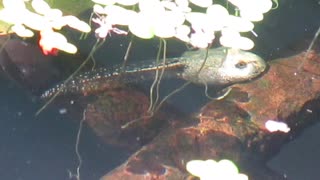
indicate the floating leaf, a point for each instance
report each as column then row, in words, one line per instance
column 202, row 3
column 141, row 26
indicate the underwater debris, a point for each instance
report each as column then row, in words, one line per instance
column 234, row 127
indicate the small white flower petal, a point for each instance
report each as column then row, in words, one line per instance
column 210, row 169
column 173, row 18
column 198, row 21
column 194, row 17
column 182, row 33
column 239, row 42
column 203, row 169
column 265, row 6
column 40, row 6
column 242, row 177
column 166, row 23
column 16, row 5
column 104, row 2
column 177, row 5
column 239, row 24
column 141, row 26
column 251, row 15
column 261, row 6
column 229, row 32
column 226, row 41
column 75, row 23
column 217, row 10
column 236, row 42
column 53, row 14
column 35, row 21
column 58, row 23
column 102, row 32
column 51, row 39
column 245, row 43
column 21, row 31
column 127, row 2
column 11, row 17
column 151, row 6
column 183, row 4
column 164, row 31
column 218, row 16
column 67, row 47
column 54, row 37
column 119, row 15
column 169, row 5
column 98, row 9
column 81, row 26
column 202, row 3
column 200, row 39
column 195, row 167
column 227, row 167
column 274, row 126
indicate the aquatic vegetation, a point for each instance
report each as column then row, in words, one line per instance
column 43, row 19
column 193, row 22
column 211, row 169
column 146, row 19
column 176, row 19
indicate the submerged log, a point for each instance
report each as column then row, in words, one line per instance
column 234, row 127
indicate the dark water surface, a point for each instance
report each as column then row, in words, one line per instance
column 43, row 147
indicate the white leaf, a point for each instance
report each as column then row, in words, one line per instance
column 232, row 38
column 119, row 15
column 202, row 3
column 182, row 33
column 127, row 2
column 218, row 16
column 239, row 24
column 35, row 21
column 14, row 5
column 274, row 126
column 98, row 9
column 21, row 31
column 251, row 15
column 141, row 26
column 75, row 23
column 104, row 2
column 40, row 6
column 11, row 17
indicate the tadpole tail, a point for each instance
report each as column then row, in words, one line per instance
column 102, row 79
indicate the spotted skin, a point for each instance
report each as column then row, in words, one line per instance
column 222, row 67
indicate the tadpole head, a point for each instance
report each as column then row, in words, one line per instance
column 240, row 66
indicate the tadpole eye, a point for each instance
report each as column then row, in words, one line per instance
column 241, row 65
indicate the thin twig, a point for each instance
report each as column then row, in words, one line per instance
column 309, row 49
column 155, row 79
column 161, row 74
column 77, row 175
column 125, row 58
